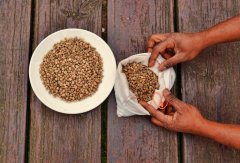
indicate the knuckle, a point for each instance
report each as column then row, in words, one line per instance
column 171, row 34
column 168, row 64
column 153, row 36
column 171, row 97
column 171, row 39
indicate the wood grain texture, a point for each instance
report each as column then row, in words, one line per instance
column 14, row 52
column 56, row 137
column 212, row 81
column 135, row 139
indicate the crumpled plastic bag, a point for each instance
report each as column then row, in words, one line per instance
column 127, row 104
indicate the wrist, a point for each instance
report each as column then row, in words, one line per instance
column 200, row 128
column 202, row 40
column 206, row 129
column 207, row 38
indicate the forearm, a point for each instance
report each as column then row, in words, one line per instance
column 226, row 31
column 227, row 134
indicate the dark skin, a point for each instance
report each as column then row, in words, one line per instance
column 182, row 47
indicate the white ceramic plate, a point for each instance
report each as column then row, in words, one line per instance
column 57, row 104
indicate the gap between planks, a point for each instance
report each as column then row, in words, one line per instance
column 28, row 112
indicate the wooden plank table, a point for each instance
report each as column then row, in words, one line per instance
column 212, row 81
column 14, row 53
column 134, row 139
column 56, row 137
column 31, row 132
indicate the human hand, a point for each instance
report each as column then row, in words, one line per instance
column 174, row 47
column 186, row 118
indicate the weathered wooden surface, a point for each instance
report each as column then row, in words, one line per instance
column 135, row 139
column 56, row 137
column 14, row 52
column 212, row 81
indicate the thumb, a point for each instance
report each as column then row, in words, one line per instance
column 162, row 118
column 160, row 48
column 168, row 63
column 171, row 99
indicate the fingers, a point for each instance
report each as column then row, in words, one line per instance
column 155, row 38
column 169, row 63
column 153, row 112
column 156, row 122
column 172, row 99
column 160, row 48
column 158, row 118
